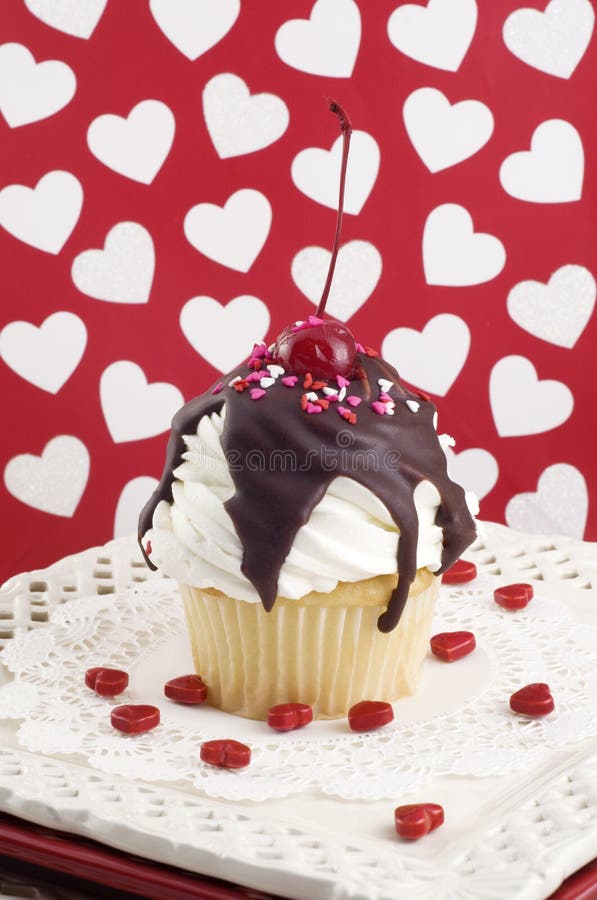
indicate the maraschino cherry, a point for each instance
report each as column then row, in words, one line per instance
column 323, row 347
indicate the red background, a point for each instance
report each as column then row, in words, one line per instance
column 128, row 59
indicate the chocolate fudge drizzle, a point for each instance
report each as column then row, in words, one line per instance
column 390, row 455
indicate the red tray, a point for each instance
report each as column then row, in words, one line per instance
column 84, row 859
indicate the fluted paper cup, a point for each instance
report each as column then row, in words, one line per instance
column 324, row 649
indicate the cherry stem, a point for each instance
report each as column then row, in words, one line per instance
column 346, row 127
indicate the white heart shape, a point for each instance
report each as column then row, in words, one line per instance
column 194, row 26
column 133, row 498
column 454, row 254
column 78, row 18
column 53, row 482
column 444, row 134
column 316, row 172
column 521, row 404
column 224, row 335
column 431, row 359
column 46, row 356
column 134, row 409
column 438, row 34
column 44, row 216
column 475, row 469
column 137, row 145
column 240, row 122
column 560, row 505
column 552, row 170
column 234, row 234
column 358, row 269
column 31, row 91
column 327, row 43
column 558, row 311
column 554, row 40
column 123, row 271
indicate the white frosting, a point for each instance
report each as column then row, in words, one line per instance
column 349, row 536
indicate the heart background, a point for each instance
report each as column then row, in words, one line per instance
column 124, row 54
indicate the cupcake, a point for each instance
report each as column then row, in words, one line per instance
column 306, row 512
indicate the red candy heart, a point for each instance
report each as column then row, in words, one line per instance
column 533, row 700
column 416, row 820
column 369, row 714
column 134, row 718
column 460, row 572
column 106, row 682
column 288, row 716
column 227, row 754
column 452, row 645
column 186, row 689
column 513, row 596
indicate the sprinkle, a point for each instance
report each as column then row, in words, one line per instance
column 148, row 549
column 257, row 393
column 354, row 401
column 385, row 398
column 323, row 403
column 318, row 385
column 304, row 401
column 290, row 380
column 341, row 394
column 258, row 350
column 341, row 410
column 299, row 323
column 315, row 320
column 218, row 387
column 346, row 414
column 435, row 420
column 379, row 407
column 384, row 384
column 311, row 395
column 329, row 391
column 308, row 380
column 267, row 382
column 255, row 363
column 254, row 376
column 234, row 381
column 360, row 348
column 370, row 352
column 312, row 408
column 351, row 418
column 270, row 349
column 389, row 410
column 275, row 371
column 333, row 398
column 413, row 405
column 341, row 381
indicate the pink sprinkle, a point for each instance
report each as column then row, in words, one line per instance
column 290, row 380
column 354, row 401
column 255, row 376
column 377, row 406
column 341, row 410
column 257, row 393
column 312, row 408
column 314, row 320
column 360, row 348
column 218, row 387
column 342, row 381
column 385, row 398
column 259, row 351
column 333, row 398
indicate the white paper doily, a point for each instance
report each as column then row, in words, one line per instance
column 459, row 722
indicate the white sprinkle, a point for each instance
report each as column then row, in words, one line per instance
column 267, row 382
column 312, row 396
column 435, row 420
column 389, row 412
column 330, row 392
column 271, row 348
column 385, row 385
column 234, row 380
column 412, row 405
column 275, row 371
column 299, row 323
column 341, row 394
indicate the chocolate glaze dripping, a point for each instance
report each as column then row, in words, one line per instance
column 270, row 505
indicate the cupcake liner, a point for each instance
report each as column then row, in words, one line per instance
column 324, row 649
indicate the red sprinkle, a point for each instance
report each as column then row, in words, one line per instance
column 416, row 820
column 452, row 645
column 323, row 403
column 240, row 385
column 513, row 596
column 370, row 352
column 288, row 716
column 460, row 572
column 255, row 364
column 533, row 700
column 227, row 754
column 308, row 380
column 318, row 385
column 186, row 689
column 106, row 682
column 134, row 718
column 304, row 401
column 369, row 714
